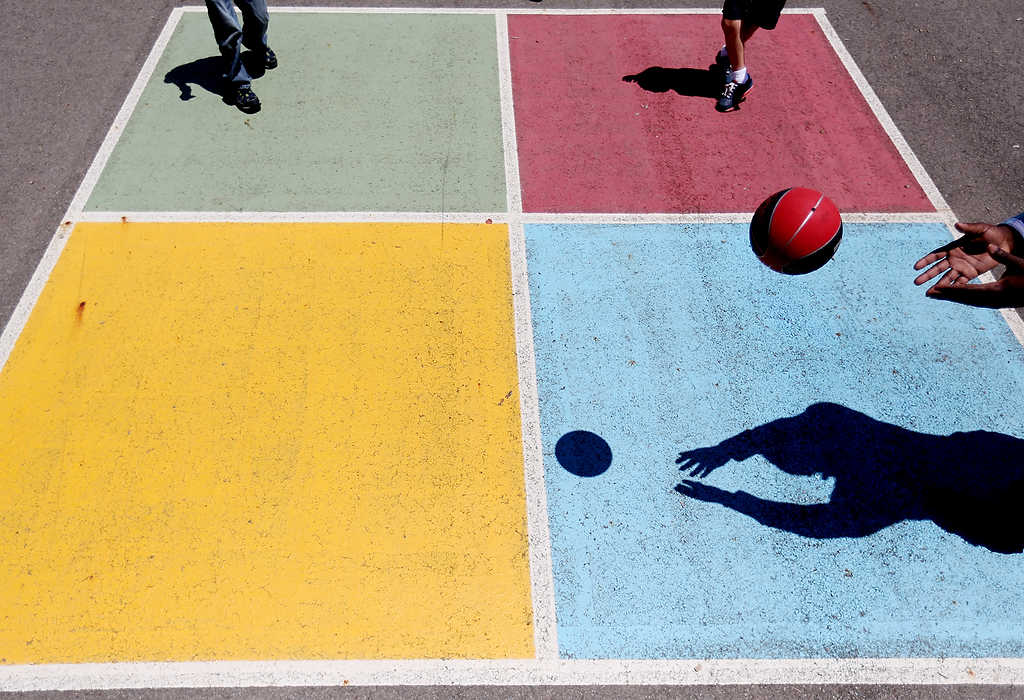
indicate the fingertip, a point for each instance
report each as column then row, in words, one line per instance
column 970, row 227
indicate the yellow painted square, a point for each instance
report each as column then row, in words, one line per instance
column 256, row 441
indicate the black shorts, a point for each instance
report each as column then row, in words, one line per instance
column 763, row 13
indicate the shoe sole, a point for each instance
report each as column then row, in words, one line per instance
column 248, row 109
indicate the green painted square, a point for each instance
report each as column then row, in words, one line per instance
column 366, row 112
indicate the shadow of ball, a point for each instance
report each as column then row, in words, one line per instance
column 583, row 453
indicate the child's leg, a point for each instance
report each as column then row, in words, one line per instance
column 746, row 31
column 732, row 30
column 737, row 34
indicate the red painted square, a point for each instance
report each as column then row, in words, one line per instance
column 589, row 141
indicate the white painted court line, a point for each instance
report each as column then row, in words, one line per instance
column 504, row 11
column 542, row 579
column 513, row 215
column 74, row 211
column 684, row 672
column 723, row 218
column 272, row 217
column 1013, row 319
column 878, row 109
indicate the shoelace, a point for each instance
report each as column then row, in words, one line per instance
column 730, row 88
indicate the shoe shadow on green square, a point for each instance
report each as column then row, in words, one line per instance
column 369, row 113
column 208, row 74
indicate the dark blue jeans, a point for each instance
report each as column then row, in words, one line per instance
column 232, row 36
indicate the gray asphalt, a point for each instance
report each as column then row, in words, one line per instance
column 948, row 72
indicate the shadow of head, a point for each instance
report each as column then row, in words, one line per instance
column 690, row 82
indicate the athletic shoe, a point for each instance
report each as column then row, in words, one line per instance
column 246, row 100
column 270, row 59
column 732, row 94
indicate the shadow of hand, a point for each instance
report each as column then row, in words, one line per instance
column 704, row 492
column 702, row 461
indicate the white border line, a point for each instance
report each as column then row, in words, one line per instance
column 682, row 672
column 74, row 211
column 502, row 11
column 291, row 217
column 512, row 216
column 1013, row 319
column 542, row 578
column 920, row 174
column 696, row 218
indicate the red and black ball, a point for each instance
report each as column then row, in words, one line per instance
column 796, row 230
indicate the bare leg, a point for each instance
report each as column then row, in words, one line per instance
column 737, row 33
column 731, row 29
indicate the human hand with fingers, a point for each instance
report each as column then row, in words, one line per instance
column 960, row 261
column 982, row 247
column 1006, row 292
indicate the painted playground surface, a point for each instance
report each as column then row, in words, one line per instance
column 453, row 364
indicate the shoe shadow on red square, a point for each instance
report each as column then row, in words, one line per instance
column 690, row 82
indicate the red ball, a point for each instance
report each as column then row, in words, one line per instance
column 796, row 231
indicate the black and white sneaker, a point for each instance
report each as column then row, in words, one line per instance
column 270, row 59
column 246, row 100
column 732, row 94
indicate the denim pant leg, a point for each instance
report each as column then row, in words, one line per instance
column 255, row 20
column 228, row 33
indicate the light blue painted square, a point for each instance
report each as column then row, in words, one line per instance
column 663, row 339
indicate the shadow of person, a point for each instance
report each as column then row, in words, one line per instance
column 970, row 484
column 690, row 82
column 206, row 73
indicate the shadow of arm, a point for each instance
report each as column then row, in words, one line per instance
column 818, row 520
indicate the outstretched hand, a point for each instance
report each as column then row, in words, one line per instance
column 962, row 260
column 1006, row 292
column 979, row 250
